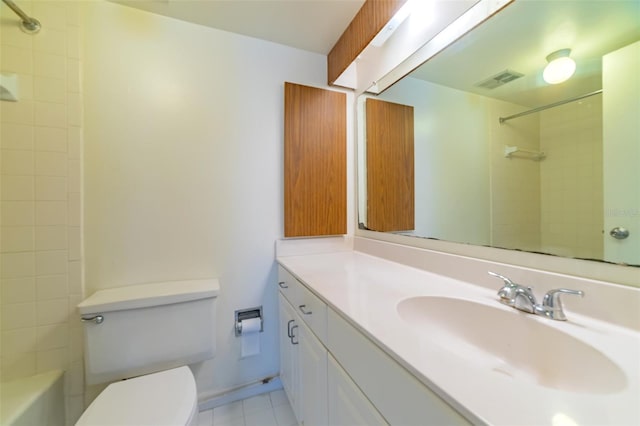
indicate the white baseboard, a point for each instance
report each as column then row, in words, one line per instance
column 253, row 389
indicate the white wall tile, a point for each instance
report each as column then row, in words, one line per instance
column 51, row 237
column 16, row 136
column 16, row 342
column 17, row 112
column 55, row 311
column 18, row 365
column 16, row 59
column 50, row 114
column 74, row 109
column 51, row 262
column 73, row 14
column 75, row 277
column 50, row 40
column 74, row 47
column 74, row 378
column 76, row 338
column 18, row 315
column 74, row 139
column 50, row 164
column 50, row 188
column 17, row 188
column 17, row 162
column 74, row 76
column 74, row 243
column 48, row 65
column 18, row 290
column 74, row 209
column 25, row 87
column 16, row 239
column 17, row 213
column 48, row 89
column 53, row 139
column 12, row 35
column 50, row 213
column 53, row 359
column 74, row 180
column 18, row 265
column 53, row 13
column 52, row 337
column 51, row 286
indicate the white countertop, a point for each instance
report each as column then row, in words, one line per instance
column 366, row 290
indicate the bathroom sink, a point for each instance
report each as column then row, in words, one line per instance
column 513, row 344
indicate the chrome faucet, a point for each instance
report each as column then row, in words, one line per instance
column 523, row 299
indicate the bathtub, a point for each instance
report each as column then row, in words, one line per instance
column 34, row 400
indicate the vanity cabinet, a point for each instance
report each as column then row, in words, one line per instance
column 347, row 404
column 303, row 357
column 335, row 375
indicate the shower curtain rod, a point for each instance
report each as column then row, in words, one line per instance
column 555, row 104
column 29, row 25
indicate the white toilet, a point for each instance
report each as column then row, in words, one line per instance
column 147, row 334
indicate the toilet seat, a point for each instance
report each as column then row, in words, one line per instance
column 164, row 398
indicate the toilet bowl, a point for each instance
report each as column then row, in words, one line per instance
column 147, row 334
column 164, row 398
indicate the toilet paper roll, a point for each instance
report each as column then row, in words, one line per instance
column 250, row 337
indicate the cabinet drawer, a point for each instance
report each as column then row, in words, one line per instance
column 313, row 312
column 308, row 306
column 288, row 285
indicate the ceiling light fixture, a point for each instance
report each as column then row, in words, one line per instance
column 560, row 67
column 393, row 24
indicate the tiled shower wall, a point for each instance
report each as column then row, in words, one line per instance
column 41, row 244
column 572, row 214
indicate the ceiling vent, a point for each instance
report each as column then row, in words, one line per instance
column 499, row 79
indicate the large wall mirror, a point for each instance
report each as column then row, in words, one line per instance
column 491, row 154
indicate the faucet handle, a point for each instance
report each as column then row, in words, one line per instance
column 552, row 305
column 507, row 281
column 507, row 292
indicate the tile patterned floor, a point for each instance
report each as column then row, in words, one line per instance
column 269, row 409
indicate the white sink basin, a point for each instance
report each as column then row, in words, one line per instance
column 512, row 343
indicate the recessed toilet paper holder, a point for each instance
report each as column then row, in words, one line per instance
column 245, row 314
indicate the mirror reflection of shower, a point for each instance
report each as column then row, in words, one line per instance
column 28, row 24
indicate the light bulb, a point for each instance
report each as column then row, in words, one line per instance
column 560, row 67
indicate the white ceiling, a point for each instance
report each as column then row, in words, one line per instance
column 313, row 25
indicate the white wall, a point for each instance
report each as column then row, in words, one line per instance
column 41, row 139
column 183, row 160
column 453, row 155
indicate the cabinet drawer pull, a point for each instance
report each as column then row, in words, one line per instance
column 289, row 329
column 302, row 309
column 292, row 335
column 282, row 284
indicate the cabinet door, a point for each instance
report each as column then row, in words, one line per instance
column 313, row 379
column 289, row 365
column 390, row 166
column 347, row 403
column 315, row 165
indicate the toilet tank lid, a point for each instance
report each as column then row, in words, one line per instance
column 147, row 295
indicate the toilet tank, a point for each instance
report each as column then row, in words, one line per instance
column 141, row 329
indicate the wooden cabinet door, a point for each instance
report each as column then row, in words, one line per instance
column 390, row 166
column 315, row 167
